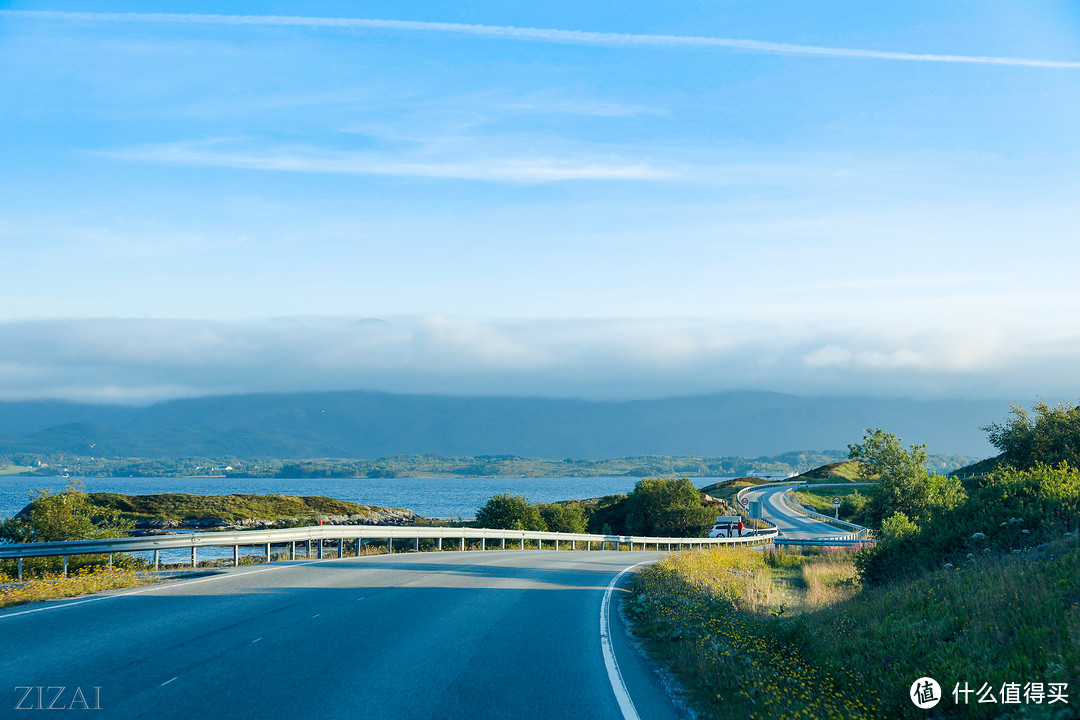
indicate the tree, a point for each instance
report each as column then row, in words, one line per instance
column 53, row 517
column 667, row 507
column 509, row 512
column 1051, row 435
column 563, row 517
column 904, row 484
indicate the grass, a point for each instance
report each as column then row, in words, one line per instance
column 785, row 636
column 852, row 500
column 229, row 508
column 15, row 469
column 847, row 470
column 84, row 581
column 728, row 490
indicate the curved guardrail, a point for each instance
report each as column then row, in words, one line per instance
column 341, row 533
column 858, row 531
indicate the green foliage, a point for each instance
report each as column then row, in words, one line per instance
column 898, row 528
column 54, row 517
column 904, row 484
column 1009, row 511
column 563, row 517
column 230, row 508
column 855, row 657
column 509, row 512
column 667, row 507
column 1051, row 435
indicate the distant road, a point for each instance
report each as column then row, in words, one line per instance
column 498, row 634
column 790, row 523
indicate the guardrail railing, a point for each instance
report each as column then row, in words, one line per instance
column 341, row 533
column 859, row 533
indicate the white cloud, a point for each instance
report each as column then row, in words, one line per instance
column 536, row 169
column 145, row 360
column 569, row 37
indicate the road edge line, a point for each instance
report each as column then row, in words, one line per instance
column 618, row 685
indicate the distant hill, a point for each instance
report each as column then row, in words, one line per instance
column 370, row 425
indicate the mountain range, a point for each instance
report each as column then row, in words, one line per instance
column 372, row 424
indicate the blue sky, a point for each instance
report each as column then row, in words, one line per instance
column 609, row 200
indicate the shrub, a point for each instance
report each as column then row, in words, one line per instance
column 509, row 512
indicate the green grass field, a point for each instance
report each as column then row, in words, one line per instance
column 780, row 636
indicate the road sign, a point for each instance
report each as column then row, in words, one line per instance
column 745, row 501
column 755, row 510
column 836, row 502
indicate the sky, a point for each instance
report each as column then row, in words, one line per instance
column 601, row 200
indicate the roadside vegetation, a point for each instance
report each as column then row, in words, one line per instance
column 664, row 507
column 973, row 582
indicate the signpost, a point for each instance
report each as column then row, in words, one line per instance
column 836, row 506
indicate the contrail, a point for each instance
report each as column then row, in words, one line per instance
column 567, row 37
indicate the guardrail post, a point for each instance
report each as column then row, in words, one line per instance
column 292, row 550
column 523, row 543
column 307, row 553
column 390, row 546
column 483, row 543
column 320, row 548
column 20, row 569
column 416, row 545
column 463, row 544
column 65, row 566
column 235, row 555
column 157, row 559
column 194, row 557
column 502, row 543
column 573, row 545
column 269, row 557
column 556, row 543
column 110, row 561
column 340, row 547
column 440, row 543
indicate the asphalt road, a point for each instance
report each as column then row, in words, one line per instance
column 498, row 634
column 790, row 523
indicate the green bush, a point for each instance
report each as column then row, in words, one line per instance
column 509, row 512
column 667, row 507
column 55, row 517
column 1008, row 511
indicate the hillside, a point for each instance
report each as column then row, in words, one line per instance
column 370, row 425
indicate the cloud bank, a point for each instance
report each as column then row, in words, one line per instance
column 568, row 37
column 141, row 361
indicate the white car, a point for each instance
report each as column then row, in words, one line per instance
column 721, row 530
column 726, row 526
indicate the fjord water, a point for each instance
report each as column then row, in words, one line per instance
column 430, row 497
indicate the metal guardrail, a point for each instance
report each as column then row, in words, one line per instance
column 340, row 533
column 819, row 542
column 860, row 533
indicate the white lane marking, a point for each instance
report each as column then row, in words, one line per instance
column 168, row 681
column 618, row 685
column 166, row 585
column 256, row 640
column 315, row 615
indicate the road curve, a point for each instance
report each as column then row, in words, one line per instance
column 789, row 523
column 498, row 634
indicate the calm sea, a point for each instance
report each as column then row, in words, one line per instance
column 430, row 497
